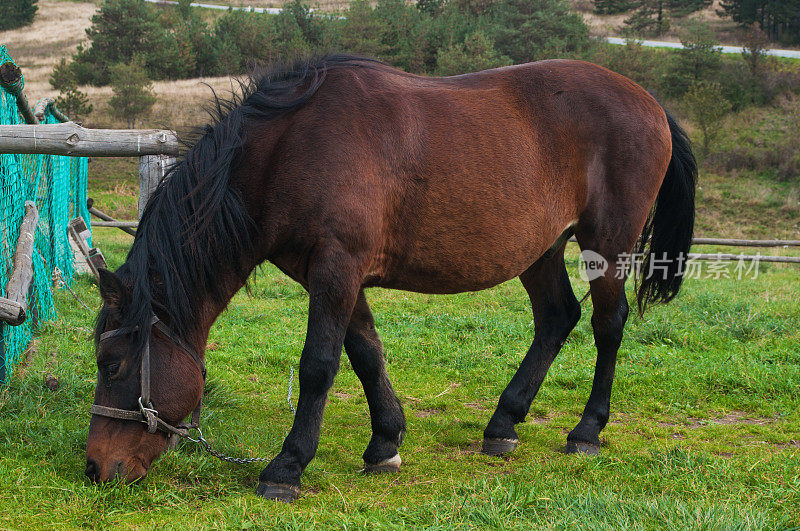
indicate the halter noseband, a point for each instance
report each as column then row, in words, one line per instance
column 146, row 412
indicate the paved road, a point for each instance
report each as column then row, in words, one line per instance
column 795, row 54
column 270, row 10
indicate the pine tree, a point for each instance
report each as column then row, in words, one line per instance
column 612, row 7
column 71, row 101
column 652, row 17
column 476, row 53
column 74, row 103
column 133, row 92
column 779, row 19
column 16, row 13
column 528, row 30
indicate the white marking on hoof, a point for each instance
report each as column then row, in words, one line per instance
column 392, row 461
column 387, row 465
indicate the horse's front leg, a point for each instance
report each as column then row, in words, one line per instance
column 333, row 285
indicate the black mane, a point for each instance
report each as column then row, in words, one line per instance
column 195, row 227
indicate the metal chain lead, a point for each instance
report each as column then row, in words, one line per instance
column 291, row 385
column 242, row 460
column 236, row 460
column 219, row 455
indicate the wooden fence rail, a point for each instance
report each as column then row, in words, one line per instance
column 71, row 139
column 746, row 243
column 733, row 242
column 155, row 148
column 117, row 224
column 744, row 258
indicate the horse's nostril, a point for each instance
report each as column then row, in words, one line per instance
column 92, row 470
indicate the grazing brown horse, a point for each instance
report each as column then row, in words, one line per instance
column 346, row 174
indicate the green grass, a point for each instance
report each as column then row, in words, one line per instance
column 704, row 433
column 705, row 429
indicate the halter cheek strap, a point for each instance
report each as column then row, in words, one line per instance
column 146, row 413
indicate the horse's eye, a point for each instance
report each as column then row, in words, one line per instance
column 111, row 370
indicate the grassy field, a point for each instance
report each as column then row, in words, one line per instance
column 704, row 434
column 705, row 426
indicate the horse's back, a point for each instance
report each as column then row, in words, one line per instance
column 463, row 182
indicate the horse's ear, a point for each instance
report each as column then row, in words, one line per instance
column 112, row 290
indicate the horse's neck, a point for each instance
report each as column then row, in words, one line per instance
column 208, row 313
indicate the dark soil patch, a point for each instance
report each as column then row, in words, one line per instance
column 424, row 413
column 734, row 418
column 342, row 395
column 476, row 406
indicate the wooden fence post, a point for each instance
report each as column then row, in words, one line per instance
column 14, row 305
column 152, row 169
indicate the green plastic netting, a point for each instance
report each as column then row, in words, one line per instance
column 58, row 187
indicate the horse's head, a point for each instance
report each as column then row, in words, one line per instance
column 125, row 447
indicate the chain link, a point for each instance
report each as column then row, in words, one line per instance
column 243, row 460
column 219, row 455
column 291, row 386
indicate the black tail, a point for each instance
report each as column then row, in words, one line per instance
column 667, row 234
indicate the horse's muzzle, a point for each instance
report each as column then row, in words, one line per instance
column 133, row 471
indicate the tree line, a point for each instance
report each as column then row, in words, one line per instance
column 131, row 41
column 778, row 19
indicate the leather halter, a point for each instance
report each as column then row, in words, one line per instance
column 146, row 413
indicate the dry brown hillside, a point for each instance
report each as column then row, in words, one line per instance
column 58, row 29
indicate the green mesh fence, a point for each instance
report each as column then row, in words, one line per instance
column 58, row 187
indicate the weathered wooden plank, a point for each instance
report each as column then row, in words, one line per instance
column 745, row 258
column 11, row 312
column 117, row 224
column 70, row 138
column 76, row 229
column 746, row 243
column 2, row 357
column 48, row 104
column 22, row 274
column 732, row 242
column 152, row 169
column 105, row 217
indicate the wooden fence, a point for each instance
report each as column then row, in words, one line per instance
column 155, row 148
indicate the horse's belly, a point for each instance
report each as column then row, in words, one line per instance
column 456, row 257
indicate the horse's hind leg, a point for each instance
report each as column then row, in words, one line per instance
column 608, row 320
column 363, row 347
column 555, row 314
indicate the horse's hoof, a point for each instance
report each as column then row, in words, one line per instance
column 282, row 492
column 579, row 447
column 387, row 465
column 497, row 446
